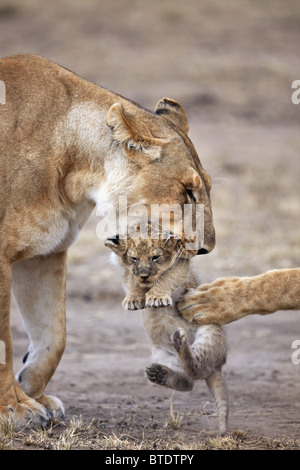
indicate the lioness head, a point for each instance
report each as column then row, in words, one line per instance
column 167, row 169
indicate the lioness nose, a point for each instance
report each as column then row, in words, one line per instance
column 202, row 251
column 208, row 246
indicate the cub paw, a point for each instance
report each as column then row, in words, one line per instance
column 133, row 303
column 179, row 339
column 157, row 374
column 154, row 300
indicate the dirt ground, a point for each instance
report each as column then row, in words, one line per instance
column 231, row 64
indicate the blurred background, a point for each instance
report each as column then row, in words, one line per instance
column 231, row 65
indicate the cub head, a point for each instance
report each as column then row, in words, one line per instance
column 146, row 259
column 166, row 168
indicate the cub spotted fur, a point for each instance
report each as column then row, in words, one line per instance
column 66, row 145
column 155, row 276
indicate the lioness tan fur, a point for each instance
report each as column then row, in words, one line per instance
column 66, row 145
column 155, row 276
column 228, row 299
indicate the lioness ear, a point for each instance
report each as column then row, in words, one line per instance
column 174, row 112
column 116, row 244
column 139, row 147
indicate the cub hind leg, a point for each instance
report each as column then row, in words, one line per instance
column 163, row 375
column 203, row 360
column 165, row 370
column 206, row 353
column 192, row 364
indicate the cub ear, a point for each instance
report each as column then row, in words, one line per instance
column 116, row 244
column 136, row 141
column 174, row 112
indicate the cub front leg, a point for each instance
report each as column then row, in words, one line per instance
column 39, row 289
column 135, row 298
column 160, row 295
column 158, row 298
column 132, row 302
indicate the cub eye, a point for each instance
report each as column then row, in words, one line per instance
column 134, row 260
column 155, row 258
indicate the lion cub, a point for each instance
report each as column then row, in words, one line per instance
column 156, row 276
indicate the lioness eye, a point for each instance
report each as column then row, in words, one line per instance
column 155, row 258
column 191, row 195
column 134, row 260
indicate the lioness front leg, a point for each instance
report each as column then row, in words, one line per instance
column 39, row 288
column 15, row 405
column 228, row 299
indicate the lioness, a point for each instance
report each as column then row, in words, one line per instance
column 66, row 145
column 229, row 299
column 155, row 276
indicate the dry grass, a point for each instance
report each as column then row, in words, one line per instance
column 78, row 434
column 174, row 419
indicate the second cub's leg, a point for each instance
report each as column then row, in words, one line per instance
column 39, row 289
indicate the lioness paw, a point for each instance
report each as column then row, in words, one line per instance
column 154, row 300
column 53, row 405
column 19, row 410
